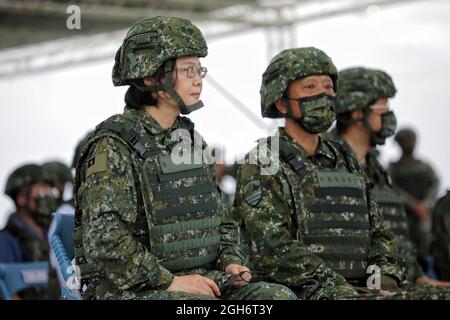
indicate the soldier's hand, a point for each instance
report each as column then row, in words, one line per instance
column 426, row 280
column 195, row 284
column 241, row 274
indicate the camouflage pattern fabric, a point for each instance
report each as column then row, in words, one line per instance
column 251, row 291
column 408, row 290
column 359, row 88
column 152, row 41
column 112, row 240
column 317, row 112
column 378, row 176
column 56, row 172
column 290, row 65
column 399, row 223
column 264, row 208
column 441, row 237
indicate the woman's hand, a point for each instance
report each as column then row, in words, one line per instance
column 195, row 284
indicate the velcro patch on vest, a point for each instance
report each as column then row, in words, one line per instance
column 97, row 163
column 386, row 195
column 338, row 179
column 168, row 166
column 252, row 192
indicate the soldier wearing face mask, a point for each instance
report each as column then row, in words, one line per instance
column 60, row 177
column 24, row 239
column 311, row 219
column 364, row 119
column 146, row 225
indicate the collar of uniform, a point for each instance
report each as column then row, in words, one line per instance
column 352, row 153
column 322, row 149
column 337, row 137
column 149, row 122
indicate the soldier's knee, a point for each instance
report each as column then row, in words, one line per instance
column 333, row 293
column 272, row 291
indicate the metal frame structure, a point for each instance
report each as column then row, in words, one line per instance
column 217, row 18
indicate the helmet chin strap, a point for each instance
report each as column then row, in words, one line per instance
column 290, row 114
column 373, row 137
column 168, row 87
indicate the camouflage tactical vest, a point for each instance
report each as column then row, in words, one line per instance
column 392, row 207
column 180, row 201
column 331, row 211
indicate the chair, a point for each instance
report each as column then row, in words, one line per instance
column 60, row 237
column 15, row 277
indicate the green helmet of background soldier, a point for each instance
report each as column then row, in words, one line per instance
column 39, row 205
column 359, row 89
column 22, row 177
column 406, row 139
column 295, row 64
column 155, row 43
column 57, row 173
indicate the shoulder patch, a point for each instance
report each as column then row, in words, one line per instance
column 97, row 163
column 252, row 192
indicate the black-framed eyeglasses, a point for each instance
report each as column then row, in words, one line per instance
column 192, row 71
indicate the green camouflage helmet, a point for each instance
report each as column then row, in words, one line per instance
column 405, row 134
column 152, row 41
column 56, row 172
column 290, row 65
column 21, row 177
column 359, row 88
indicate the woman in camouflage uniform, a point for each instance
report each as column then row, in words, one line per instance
column 149, row 221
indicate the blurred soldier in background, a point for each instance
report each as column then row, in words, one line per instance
column 419, row 184
column 60, row 177
column 24, row 239
column 225, row 177
column 364, row 120
column 146, row 226
column 310, row 216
